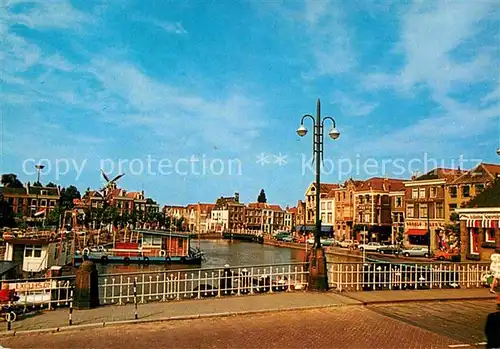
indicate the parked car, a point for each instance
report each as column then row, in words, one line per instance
column 415, row 252
column 447, row 255
column 310, row 241
column 371, row 246
column 348, row 243
column 390, row 249
column 288, row 238
column 281, row 236
column 328, row 242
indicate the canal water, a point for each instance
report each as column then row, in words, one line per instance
column 221, row 252
column 217, row 254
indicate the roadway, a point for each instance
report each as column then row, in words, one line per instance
column 405, row 325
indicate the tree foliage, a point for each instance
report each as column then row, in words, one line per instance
column 51, row 185
column 67, row 196
column 10, row 180
column 262, row 197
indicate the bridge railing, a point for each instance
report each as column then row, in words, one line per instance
column 400, row 276
column 41, row 293
column 201, row 283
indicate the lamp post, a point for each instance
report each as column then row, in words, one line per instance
column 316, row 259
column 428, row 230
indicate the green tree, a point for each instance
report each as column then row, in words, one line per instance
column 51, row 185
column 67, row 196
column 262, row 197
column 10, row 180
column 6, row 213
column 37, row 184
column 54, row 215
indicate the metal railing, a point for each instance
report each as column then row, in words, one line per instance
column 201, row 283
column 41, row 293
column 401, row 276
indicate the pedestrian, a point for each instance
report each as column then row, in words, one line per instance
column 492, row 330
column 495, row 270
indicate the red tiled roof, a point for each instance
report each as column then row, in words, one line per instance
column 264, row 205
column 441, row 173
column 293, row 210
column 481, row 173
column 494, row 169
column 328, row 187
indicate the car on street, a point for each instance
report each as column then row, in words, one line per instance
column 281, row 236
column 371, row 246
column 348, row 243
column 415, row 252
column 328, row 242
column 310, row 241
column 389, row 249
column 288, row 238
column 451, row 255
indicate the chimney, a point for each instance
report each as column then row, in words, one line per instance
column 237, row 197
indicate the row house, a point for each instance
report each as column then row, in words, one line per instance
column 29, row 200
column 175, row 211
column 300, row 215
column 228, row 214
column 426, row 206
column 373, row 209
column 272, row 217
column 344, row 209
column 198, row 217
column 325, row 190
column 480, row 225
column 469, row 185
column 290, row 213
column 129, row 203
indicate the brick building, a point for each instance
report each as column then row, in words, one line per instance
column 344, row 209
column 372, row 206
column 29, row 200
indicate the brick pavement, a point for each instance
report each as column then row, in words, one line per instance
column 341, row 327
column 155, row 310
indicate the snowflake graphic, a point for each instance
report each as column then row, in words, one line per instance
column 280, row 159
column 263, row 159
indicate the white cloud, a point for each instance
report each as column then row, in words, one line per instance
column 330, row 39
column 353, row 106
column 168, row 26
column 431, row 34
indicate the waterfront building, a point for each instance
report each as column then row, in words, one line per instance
column 290, row 213
column 344, row 209
column 228, row 214
column 480, row 225
column 469, row 185
column 372, row 206
column 31, row 200
column 198, row 217
column 272, row 217
column 300, row 216
column 425, row 196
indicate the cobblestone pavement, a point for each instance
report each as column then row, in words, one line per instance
column 342, row 327
column 461, row 320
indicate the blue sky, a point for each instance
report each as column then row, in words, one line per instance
column 86, row 81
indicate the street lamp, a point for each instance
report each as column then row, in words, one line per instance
column 316, row 259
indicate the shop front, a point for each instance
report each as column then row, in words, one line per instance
column 417, row 233
column 479, row 232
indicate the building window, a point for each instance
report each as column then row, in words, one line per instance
column 52, row 203
column 453, row 192
column 399, row 201
column 329, row 218
column 423, row 210
column 329, row 205
column 43, row 202
column 33, row 251
column 410, row 211
column 479, row 188
column 414, row 193
column 439, row 210
column 474, row 241
column 453, row 207
column 322, row 205
column 433, row 192
column 180, row 242
column 33, row 202
column 466, row 191
column 344, row 196
column 421, row 193
column 489, row 235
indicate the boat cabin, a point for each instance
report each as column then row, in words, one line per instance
column 154, row 243
column 36, row 254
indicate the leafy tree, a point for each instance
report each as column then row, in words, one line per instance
column 51, row 185
column 10, row 180
column 37, row 184
column 262, row 197
column 67, row 196
column 53, row 216
column 6, row 213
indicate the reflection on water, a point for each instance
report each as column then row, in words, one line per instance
column 217, row 254
column 221, row 252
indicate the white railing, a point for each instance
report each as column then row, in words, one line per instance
column 401, row 276
column 201, row 283
column 41, row 293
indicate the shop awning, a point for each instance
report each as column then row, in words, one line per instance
column 417, row 232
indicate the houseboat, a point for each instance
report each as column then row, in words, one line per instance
column 145, row 246
column 37, row 251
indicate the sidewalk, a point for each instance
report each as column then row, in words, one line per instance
column 235, row 305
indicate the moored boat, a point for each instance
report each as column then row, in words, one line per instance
column 149, row 246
